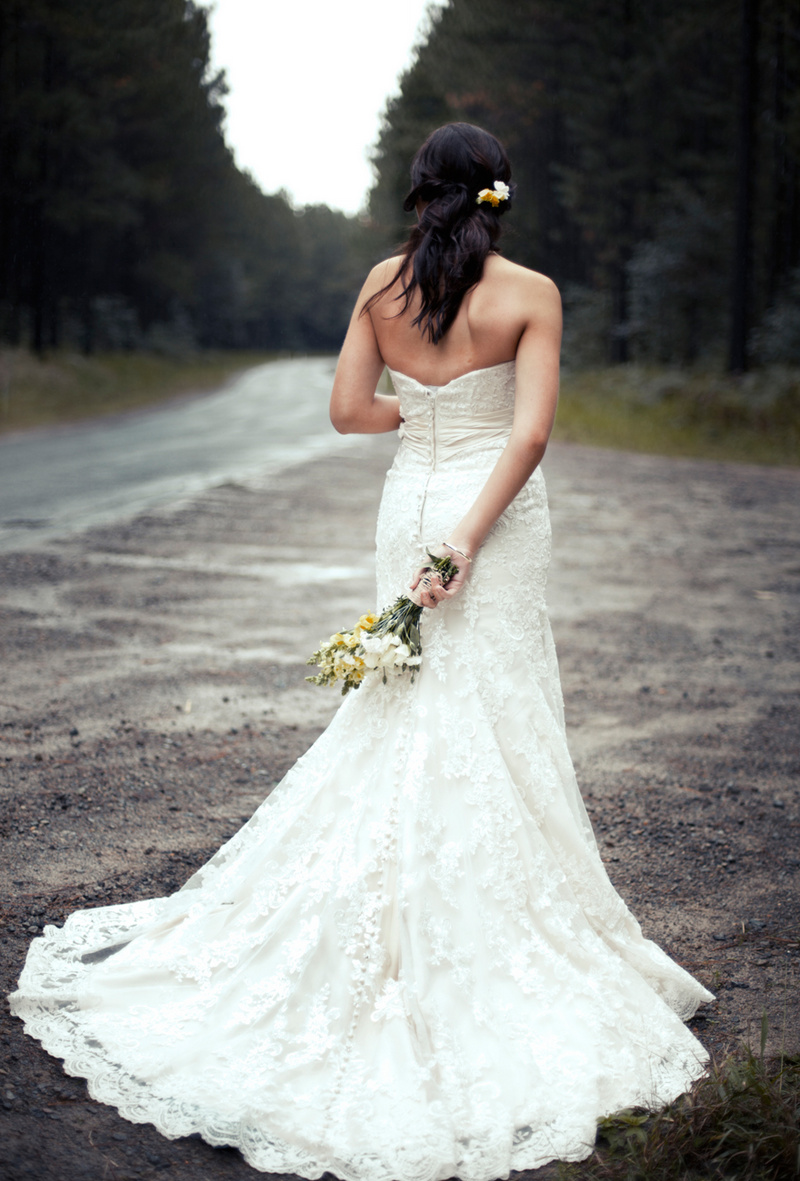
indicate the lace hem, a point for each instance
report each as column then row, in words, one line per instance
column 410, row 964
column 494, row 1154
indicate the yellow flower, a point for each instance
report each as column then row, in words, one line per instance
column 366, row 621
column 494, row 196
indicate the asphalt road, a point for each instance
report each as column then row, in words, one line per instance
column 54, row 482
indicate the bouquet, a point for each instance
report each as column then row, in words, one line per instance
column 388, row 644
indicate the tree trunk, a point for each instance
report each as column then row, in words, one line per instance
column 742, row 279
column 38, row 296
column 619, row 314
column 54, row 324
column 783, row 252
column 621, row 135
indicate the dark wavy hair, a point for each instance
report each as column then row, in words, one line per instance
column 446, row 250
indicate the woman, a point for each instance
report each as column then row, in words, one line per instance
column 410, row 963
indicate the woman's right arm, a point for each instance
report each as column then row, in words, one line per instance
column 356, row 407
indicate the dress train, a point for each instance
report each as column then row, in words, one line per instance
column 410, row 963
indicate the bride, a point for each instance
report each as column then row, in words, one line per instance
column 409, row 964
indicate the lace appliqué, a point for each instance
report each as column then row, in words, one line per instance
column 410, row 963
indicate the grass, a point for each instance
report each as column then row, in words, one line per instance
column 702, row 414
column 740, row 1122
column 68, row 386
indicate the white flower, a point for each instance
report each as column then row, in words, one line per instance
column 494, row 196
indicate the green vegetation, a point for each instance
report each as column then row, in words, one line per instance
column 742, row 1122
column 670, row 223
column 67, row 386
column 124, row 221
column 752, row 419
column 126, row 227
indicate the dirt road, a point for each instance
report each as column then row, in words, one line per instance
column 153, row 692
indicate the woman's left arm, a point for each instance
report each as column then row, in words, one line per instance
column 537, row 365
column 356, row 407
column 537, row 368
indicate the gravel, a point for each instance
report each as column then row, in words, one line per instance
column 154, row 693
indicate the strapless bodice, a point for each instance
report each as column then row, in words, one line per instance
column 443, row 424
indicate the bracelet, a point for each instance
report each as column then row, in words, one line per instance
column 458, row 551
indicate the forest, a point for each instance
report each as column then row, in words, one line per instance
column 124, row 221
column 656, row 148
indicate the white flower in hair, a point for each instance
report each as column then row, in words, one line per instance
column 494, row 196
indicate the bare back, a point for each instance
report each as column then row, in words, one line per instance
column 511, row 314
column 486, row 331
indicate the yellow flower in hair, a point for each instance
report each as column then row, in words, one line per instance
column 494, row 196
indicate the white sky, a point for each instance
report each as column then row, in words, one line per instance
column 308, row 83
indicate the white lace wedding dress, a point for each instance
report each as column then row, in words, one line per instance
column 410, row 963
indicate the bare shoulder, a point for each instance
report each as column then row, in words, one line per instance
column 381, row 275
column 522, row 296
column 523, row 281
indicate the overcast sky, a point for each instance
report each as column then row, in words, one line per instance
column 308, row 82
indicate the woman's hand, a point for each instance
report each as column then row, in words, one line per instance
column 427, row 588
